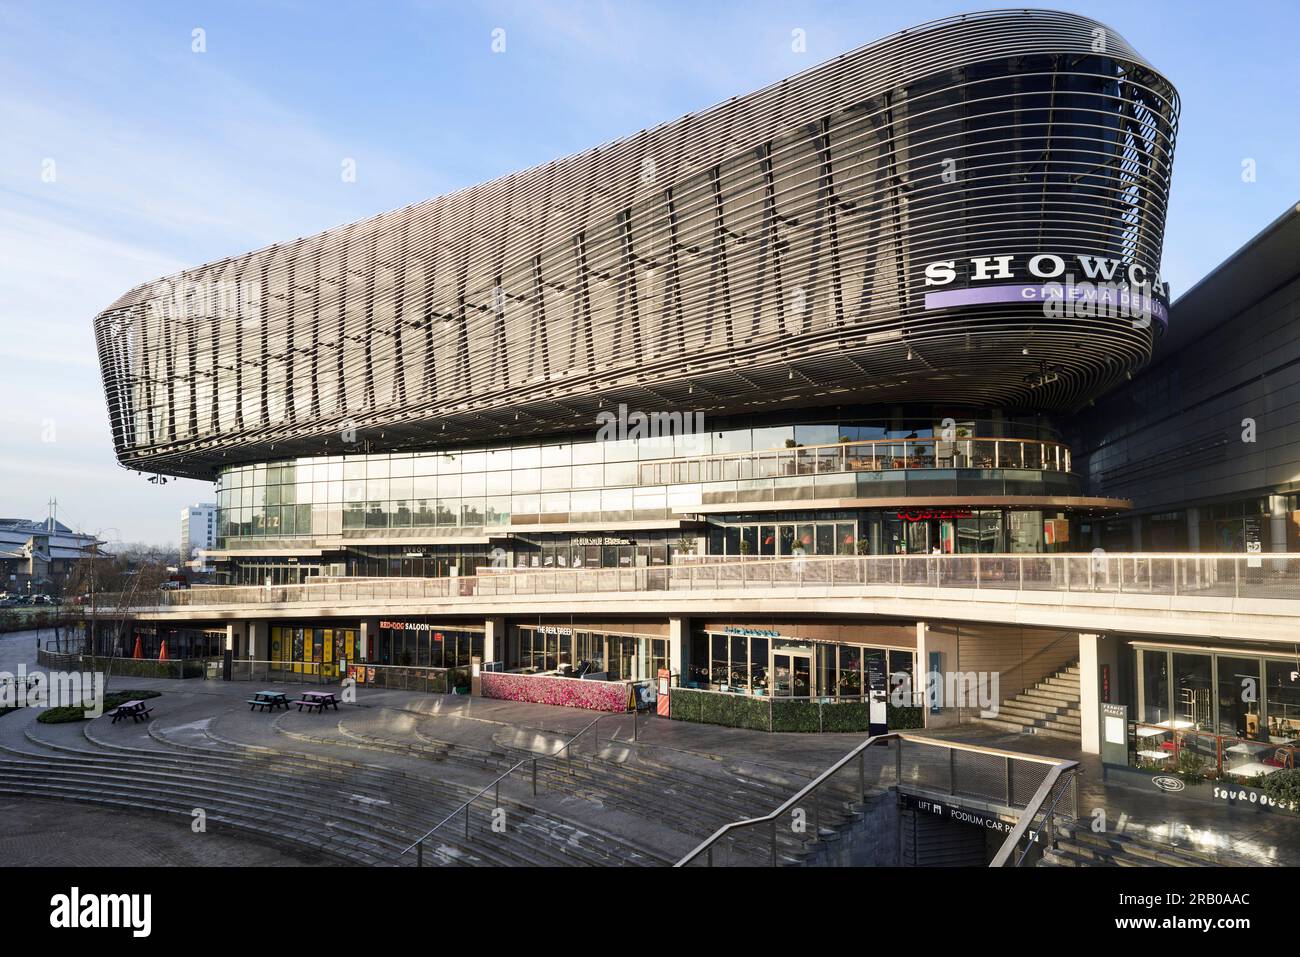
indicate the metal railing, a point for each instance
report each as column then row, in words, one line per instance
column 986, row 778
column 1178, row 747
column 869, row 455
column 1275, row 575
column 533, row 762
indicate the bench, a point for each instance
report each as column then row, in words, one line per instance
column 325, row 698
column 311, row 704
column 135, row 710
column 263, row 704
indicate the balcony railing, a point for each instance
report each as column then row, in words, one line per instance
column 1274, row 576
column 875, row 455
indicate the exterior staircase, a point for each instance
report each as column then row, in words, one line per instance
column 1049, row 708
column 1077, row 846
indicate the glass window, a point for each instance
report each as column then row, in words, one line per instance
column 1239, row 696
column 719, row 668
column 739, row 663
column 1283, row 700
column 850, row 670
column 758, row 665
column 1193, row 694
column 1155, row 686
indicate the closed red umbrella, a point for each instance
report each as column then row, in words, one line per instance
column 139, row 648
column 162, row 652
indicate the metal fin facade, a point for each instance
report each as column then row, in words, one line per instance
column 766, row 251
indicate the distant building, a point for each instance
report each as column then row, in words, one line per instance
column 39, row 554
column 198, row 533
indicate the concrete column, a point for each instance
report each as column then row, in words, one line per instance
column 1277, row 523
column 1193, row 529
column 368, row 635
column 1089, row 694
column 930, row 642
column 258, row 645
column 679, row 644
column 494, row 639
column 236, row 631
column 1136, row 525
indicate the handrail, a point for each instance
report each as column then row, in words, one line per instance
column 496, row 782
column 1058, row 768
column 1091, row 573
column 790, row 802
column 1035, row 804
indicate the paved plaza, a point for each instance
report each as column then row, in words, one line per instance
column 360, row 785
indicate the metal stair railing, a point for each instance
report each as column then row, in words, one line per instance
column 494, row 786
column 991, row 778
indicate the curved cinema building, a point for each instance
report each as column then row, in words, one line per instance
column 830, row 316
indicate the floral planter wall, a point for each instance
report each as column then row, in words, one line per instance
column 566, row 692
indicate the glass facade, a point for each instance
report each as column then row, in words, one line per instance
column 762, row 661
column 460, row 492
column 583, row 651
column 1233, row 693
column 423, row 644
column 312, row 649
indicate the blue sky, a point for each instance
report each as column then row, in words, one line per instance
column 164, row 158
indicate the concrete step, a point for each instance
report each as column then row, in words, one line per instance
column 414, row 805
column 1058, row 687
column 1029, row 712
column 1055, row 702
column 1140, row 851
column 354, row 847
column 1007, row 725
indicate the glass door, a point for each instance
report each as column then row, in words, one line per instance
column 791, row 675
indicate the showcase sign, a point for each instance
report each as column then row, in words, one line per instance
column 1104, row 284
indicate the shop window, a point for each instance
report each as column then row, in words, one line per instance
column 1193, row 700
column 758, row 652
column 1282, row 706
column 901, row 663
column 1238, row 697
column 1155, row 686
column 850, row 670
column 739, row 670
column 697, row 674
column 718, row 666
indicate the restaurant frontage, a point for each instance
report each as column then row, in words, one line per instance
column 612, row 650
column 1240, row 691
column 315, row 648
column 418, row 642
column 793, row 658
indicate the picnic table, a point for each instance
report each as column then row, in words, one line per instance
column 318, row 700
column 268, row 701
column 135, row 710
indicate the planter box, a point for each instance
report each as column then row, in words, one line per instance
column 565, row 692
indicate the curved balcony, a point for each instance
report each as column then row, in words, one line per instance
column 872, row 455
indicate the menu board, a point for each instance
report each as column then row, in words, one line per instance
column 877, row 680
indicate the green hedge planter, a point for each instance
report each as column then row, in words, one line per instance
column 758, row 713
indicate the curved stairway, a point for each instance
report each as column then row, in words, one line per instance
column 348, row 811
